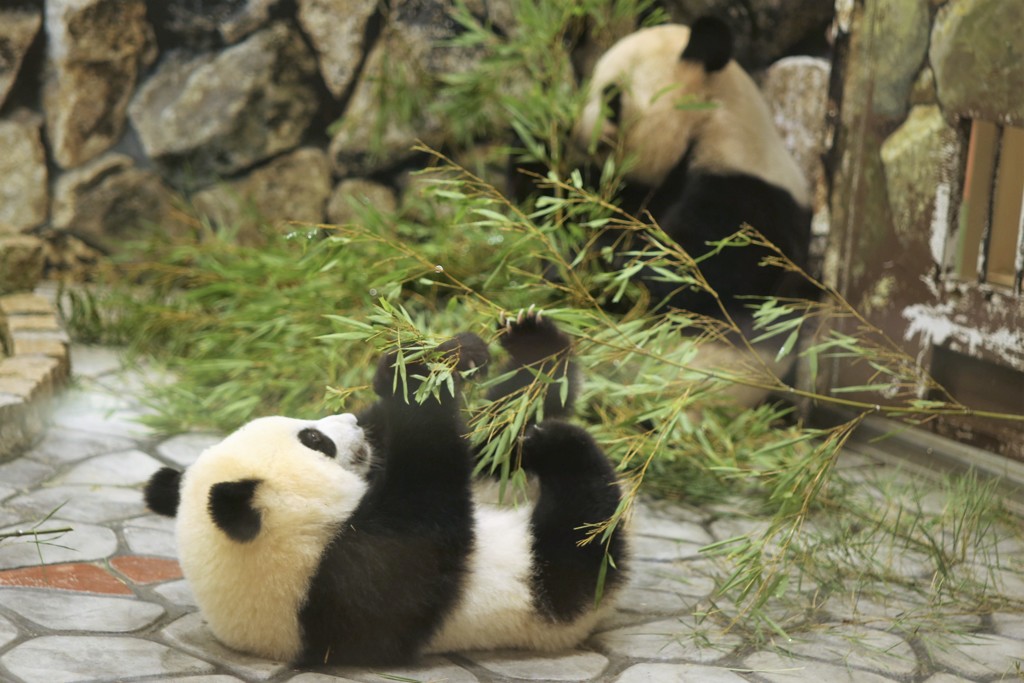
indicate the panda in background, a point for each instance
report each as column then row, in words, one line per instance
column 355, row 539
column 706, row 158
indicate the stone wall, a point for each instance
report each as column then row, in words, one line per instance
column 121, row 117
column 912, row 76
column 117, row 114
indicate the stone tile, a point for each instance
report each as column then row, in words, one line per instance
column 328, row 678
column 96, row 504
column 6, row 492
column 648, row 523
column 95, row 361
column 61, row 611
column 435, row 668
column 61, row 446
column 681, row 638
column 696, row 578
column 183, row 449
column 677, row 673
column 663, row 549
column 125, row 468
column 776, row 668
column 152, row 521
column 731, row 527
column 60, row 659
column 1009, row 625
column 145, row 570
column 83, row 578
column 946, row 678
column 856, row 647
column 24, row 474
column 8, row 631
column 144, row 541
column 655, row 601
column 99, row 412
column 190, row 633
column 177, row 593
column 568, row 666
column 977, row 655
column 84, row 543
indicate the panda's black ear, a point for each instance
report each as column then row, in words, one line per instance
column 710, row 44
column 162, row 492
column 231, row 508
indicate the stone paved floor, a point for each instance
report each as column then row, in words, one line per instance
column 106, row 601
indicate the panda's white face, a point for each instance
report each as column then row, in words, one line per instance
column 256, row 511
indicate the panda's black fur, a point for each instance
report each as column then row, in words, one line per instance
column 416, row 566
column 707, row 159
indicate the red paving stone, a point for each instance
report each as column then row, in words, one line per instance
column 85, row 578
column 145, row 570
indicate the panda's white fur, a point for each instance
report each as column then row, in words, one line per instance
column 357, row 540
column 698, row 140
column 304, row 498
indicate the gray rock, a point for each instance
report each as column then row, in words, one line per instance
column 921, row 172
column 979, row 65
column 388, row 111
column 292, row 187
column 21, row 262
column 18, row 28
column 764, row 30
column 206, row 117
column 208, row 23
column 337, row 29
column 898, row 47
column 96, row 49
column 110, row 200
column 351, row 194
column 796, row 89
column 24, row 195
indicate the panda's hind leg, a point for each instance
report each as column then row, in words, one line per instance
column 578, row 489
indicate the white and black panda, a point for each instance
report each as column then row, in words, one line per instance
column 355, row 539
column 705, row 158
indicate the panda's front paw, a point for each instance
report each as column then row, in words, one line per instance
column 529, row 336
column 468, row 351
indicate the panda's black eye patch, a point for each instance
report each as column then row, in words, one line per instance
column 612, row 96
column 315, row 439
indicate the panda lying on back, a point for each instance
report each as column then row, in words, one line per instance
column 355, row 540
